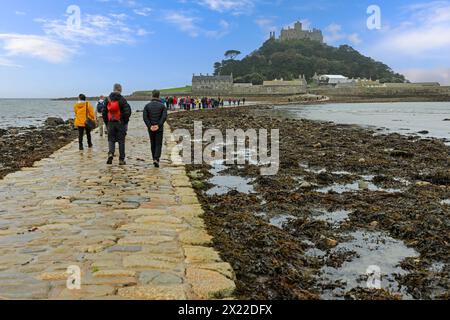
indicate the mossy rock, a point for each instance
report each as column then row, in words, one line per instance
column 198, row 185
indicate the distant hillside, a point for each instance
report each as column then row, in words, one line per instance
column 287, row 59
column 164, row 91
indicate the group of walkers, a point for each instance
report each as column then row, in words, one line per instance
column 192, row 103
column 114, row 113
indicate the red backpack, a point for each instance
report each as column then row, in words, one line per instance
column 114, row 111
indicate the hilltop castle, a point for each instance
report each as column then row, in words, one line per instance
column 297, row 33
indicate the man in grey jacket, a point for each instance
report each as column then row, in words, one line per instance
column 155, row 115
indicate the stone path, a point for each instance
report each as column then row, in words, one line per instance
column 135, row 232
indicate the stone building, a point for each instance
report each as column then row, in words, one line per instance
column 223, row 85
column 297, row 33
column 212, row 84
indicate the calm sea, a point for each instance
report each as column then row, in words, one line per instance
column 24, row 113
column 405, row 117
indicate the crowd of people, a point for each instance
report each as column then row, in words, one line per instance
column 113, row 113
column 193, row 103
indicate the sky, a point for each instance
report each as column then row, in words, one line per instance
column 62, row 48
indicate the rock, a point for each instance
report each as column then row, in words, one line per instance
column 331, row 243
column 198, row 185
column 114, row 273
column 374, row 224
column 146, row 277
column 52, row 276
column 196, row 174
column 195, row 237
column 306, row 185
column 21, row 286
column 161, row 292
column 195, row 254
column 362, row 160
column 423, row 184
column 87, row 291
column 166, row 278
column 207, row 284
column 446, row 120
column 223, row 268
column 54, row 122
column 318, row 145
column 124, row 249
column 143, row 240
column 150, row 261
column 363, row 185
column 423, row 132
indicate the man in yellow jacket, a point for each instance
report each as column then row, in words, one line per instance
column 83, row 111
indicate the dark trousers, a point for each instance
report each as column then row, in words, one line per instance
column 156, row 141
column 81, row 131
column 116, row 134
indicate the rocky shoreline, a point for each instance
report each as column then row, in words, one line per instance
column 22, row 146
column 344, row 199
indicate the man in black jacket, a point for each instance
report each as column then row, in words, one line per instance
column 155, row 115
column 116, row 114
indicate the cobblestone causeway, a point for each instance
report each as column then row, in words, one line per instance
column 135, row 232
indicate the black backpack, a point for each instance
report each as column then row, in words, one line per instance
column 100, row 107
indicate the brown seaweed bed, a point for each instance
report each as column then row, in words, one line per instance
column 344, row 199
column 21, row 147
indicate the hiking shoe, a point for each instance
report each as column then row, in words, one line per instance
column 110, row 159
column 91, row 146
column 122, row 163
column 81, row 148
column 156, row 164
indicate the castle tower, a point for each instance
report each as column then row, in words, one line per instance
column 298, row 26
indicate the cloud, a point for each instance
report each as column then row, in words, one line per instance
column 334, row 34
column 5, row 62
column 40, row 47
column 190, row 25
column 20, row 13
column 185, row 23
column 441, row 75
column 425, row 30
column 237, row 7
column 145, row 12
column 96, row 29
column 266, row 24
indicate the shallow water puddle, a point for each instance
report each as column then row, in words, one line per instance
column 355, row 187
column 226, row 183
column 307, row 168
column 371, row 249
column 281, row 220
column 335, row 218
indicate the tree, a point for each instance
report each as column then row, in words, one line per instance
column 217, row 68
column 289, row 59
column 232, row 54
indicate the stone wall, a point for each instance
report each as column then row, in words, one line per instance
column 253, row 91
column 388, row 91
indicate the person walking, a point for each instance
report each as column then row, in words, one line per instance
column 100, row 106
column 84, row 120
column 116, row 116
column 155, row 115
